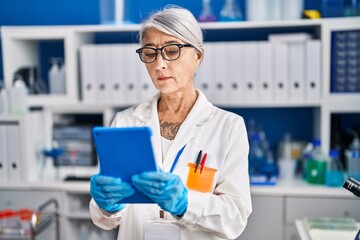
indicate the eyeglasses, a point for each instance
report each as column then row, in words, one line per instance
column 169, row 52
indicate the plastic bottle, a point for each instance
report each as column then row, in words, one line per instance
column 62, row 79
column 351, row 8
column 286, row 162
column 206, row 14
column 56, row 78
column 4, row 102
column 334, row 170
column 315, row 165
column 332, row 8
column 231, row 12
column 18, row 97
column 353, row 156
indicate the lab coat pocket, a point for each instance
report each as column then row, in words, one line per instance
column 200, row 179
column 166, row 230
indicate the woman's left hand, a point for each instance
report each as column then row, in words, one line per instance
column 166, row 189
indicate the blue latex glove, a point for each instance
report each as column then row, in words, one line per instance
column 166, row 189
column 109, row 191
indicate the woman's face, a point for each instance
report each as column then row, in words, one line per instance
column 171, row 76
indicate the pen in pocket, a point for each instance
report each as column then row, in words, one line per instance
column 203, row 162
column 198, row 160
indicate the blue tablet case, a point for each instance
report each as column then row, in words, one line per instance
column 124, row 152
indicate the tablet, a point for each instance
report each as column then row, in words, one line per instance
column 124, row 152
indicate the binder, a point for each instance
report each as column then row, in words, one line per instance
column 250, row 83
column 204, row 76
column 266, row 72
column 220, row 67
column 236, row 72
column 88, row 73
column 130, row 61
column 297, row 71
column 313, row 71
column 3, row 155
column 102, row 90
column 281, row 70
column 117, row 74
column 146, row 88
column 14, row 150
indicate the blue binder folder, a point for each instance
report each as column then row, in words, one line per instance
column 124, row 152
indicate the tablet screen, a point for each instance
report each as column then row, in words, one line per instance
column 124, row 152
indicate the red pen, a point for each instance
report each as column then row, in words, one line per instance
column 203, row 160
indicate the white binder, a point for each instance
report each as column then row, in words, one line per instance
column 250, row 83
column 204, row 76
column 117, row 74
column 103, row 74
column 146, row 88
column 14, row 149
column 88, row 73
column 3, row 154
column 220, row 66
column 281, row 69
column 297, row 71
column 130, row 61
column 236, row 72
column 313, row 71
column 266, row 75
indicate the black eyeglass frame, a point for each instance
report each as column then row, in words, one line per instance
column 139, row 51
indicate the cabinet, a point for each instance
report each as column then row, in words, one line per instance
column 265, row 221
column 21, row 139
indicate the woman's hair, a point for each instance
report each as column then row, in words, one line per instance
column 177, row 22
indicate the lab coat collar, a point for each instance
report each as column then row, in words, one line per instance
column 200, row 113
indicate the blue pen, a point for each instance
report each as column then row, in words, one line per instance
column 177, row 158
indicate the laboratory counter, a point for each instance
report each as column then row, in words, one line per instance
column 282, row 188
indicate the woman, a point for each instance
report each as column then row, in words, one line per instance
column 185, row 126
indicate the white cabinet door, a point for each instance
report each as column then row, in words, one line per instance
column 266, row 220
column 300, row 207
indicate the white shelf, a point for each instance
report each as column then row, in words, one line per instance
column 343, row 102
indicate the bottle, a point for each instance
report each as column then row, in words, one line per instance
column 286, row 162
column 351, row 8
column 353, row 156
column 206, row 14
column 256, row 155
column 18, row 97
column 62, row 79
column 315, row 165
column 4, row 102
column 332, row 8
column 231, row 12
column 54, row 77
column 334, row 170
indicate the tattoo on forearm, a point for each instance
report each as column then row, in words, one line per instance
column 168, row 130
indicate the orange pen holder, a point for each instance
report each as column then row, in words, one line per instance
column 203, row 181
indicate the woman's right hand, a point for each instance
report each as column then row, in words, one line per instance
column 109, row 191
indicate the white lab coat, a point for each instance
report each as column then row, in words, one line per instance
column 222, row 135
